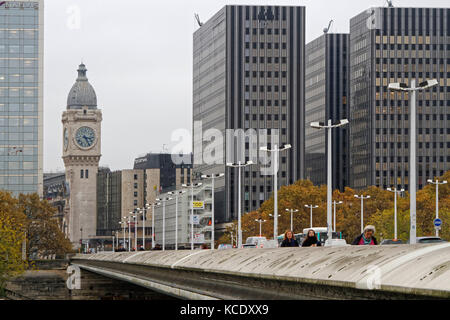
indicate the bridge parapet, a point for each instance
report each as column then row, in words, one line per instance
column 403, row 271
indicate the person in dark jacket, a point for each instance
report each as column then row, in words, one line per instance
column 366, row 238
column 311, row 240
column 289, row 240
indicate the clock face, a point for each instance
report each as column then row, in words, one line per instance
column 66, row 138
column 85, row 137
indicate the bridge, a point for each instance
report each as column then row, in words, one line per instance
column 419, row 271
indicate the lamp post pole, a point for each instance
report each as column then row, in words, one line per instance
column 276, row 152
column 412, row 148
column 329, row 127
column 292, row 217
column 437, row 183
column 334, row 222
column 164, row 200
column 362, row 198
column 395, row 191
column 260, row 225
column 311, row 207
column 153, row 225
column 239, row 165
column 129, row 234
column 176, row 194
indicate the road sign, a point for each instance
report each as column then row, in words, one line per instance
column 437, row 222
column 196, row 220
column 199, row 238
column 198, row 205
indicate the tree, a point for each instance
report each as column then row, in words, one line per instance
column 44, row 236
column 11, row 239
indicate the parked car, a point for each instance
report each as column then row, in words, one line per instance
column 224, row 246
column 428, row 240
column 391, row 241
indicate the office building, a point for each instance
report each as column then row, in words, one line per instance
column 326, row 93
column 391, row 45
column 21, row 96
column 249, row 74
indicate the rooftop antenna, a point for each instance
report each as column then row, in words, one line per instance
column 197, row 17
column 326, row 30
column 390, row 4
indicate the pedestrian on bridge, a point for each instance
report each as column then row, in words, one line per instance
column 289, row 240
column 367, row 238
column 311, row 240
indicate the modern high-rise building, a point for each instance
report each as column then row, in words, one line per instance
column 249, row 74
column 398, row 45
column 326, row 94
column 21, row 96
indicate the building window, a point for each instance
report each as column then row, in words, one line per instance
column 82, row 174
column 87, row 174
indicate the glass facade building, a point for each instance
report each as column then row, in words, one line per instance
column 21, row 96
column 391, row 45
column 326, row 93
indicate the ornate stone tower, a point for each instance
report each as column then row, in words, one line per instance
column 81, row 155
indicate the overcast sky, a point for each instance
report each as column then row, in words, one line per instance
column 139, row 59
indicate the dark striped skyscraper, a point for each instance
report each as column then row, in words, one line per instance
column 249, row 74
column 327, row 89
column 391, row 45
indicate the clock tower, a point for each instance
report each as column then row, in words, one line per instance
column 81, row 155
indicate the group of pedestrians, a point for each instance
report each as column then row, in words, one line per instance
column 366, row 238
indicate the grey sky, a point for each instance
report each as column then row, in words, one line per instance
column 139, row 57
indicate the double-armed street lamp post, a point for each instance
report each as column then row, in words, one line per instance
column 362, row 198
column 176, row 194
column 412, row 147
column 334, row 222
column 261, row 221
column 212, row 177
column 311, row 207
column 329, row 127
column 192, row 186
column 437, row 183
column 396, row 192
column 239, row 165
column 276, row 150
column 163, row 201
column 292, row 217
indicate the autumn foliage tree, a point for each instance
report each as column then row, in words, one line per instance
column 31, row 219
column 12, row 236
column 378, row 211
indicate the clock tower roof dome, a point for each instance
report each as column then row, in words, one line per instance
column 82, row 93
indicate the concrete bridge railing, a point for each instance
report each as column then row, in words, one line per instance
column 365, row 272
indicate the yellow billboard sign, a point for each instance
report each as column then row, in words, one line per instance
column 198, row 205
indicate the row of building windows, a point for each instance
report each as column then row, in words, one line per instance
column 262, row 31
column 427, row 145
column 263, row 74
column 266, row 88
column 263, row 103
column 262, row 117
column 420, row 116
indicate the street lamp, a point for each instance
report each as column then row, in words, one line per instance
column 311, row 207
column 153, row 222
column 212, row 177
column 334, row 222
column 239, row 165
column 277, row 151
column 164, row 200
column 437, row 183
column 129, row 232
column 134, row 216
column 412, row 166
column 144, row 217
column 329, row 127
column 176, row 193
column 192, row 186
column 260, row 220
column 395, row 191
column 362, row 197
column 123, row 225
column 292, row 217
